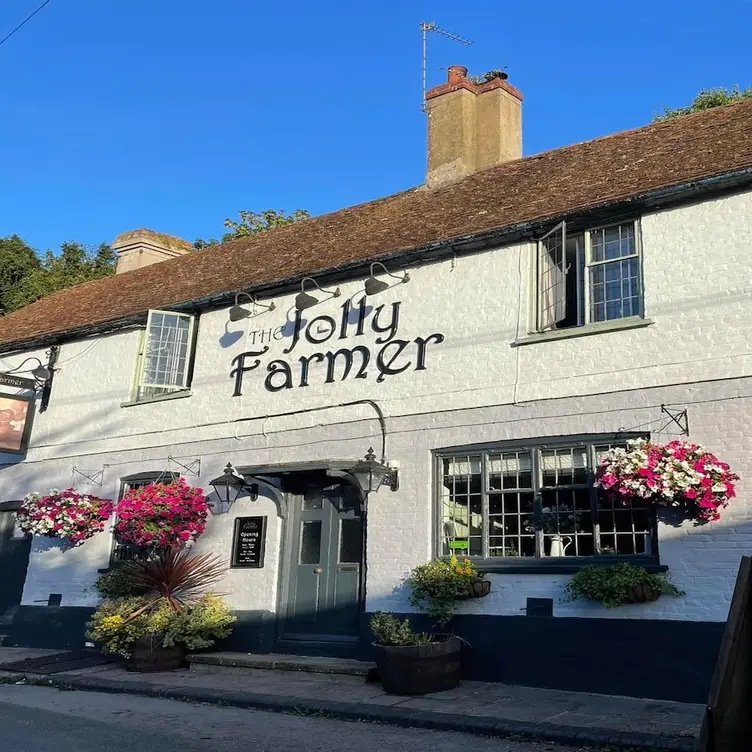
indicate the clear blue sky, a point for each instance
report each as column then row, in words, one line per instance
column 173, row 114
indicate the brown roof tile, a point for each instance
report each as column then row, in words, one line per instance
column 555, row 183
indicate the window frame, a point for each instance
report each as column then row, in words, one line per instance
column 139, row 390
column 572, row 231
column 544, row 564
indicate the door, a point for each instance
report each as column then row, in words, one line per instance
column 324, row 556
column 14, row 560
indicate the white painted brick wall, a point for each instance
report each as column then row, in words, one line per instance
column 697, row 272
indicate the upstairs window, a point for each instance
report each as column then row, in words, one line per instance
column 588, row 277
column 537, row 501
column 165, row 354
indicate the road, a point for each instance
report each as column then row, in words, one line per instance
column 40, row 719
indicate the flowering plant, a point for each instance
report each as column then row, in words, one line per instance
column 164, row 515
column 675, row 474
column 64, row 514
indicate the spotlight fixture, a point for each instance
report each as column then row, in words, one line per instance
column 304, row 300
column 374, row 286
column 238, row 313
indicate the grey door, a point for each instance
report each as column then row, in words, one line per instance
column 324, row 560
column 14, row 560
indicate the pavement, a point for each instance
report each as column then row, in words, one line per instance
column 37, row 719
column 498, row 710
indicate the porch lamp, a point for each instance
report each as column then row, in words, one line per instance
column 305, row 300
column 238, row 313
column 370, row 474
column 374, row 286
column 230, row 485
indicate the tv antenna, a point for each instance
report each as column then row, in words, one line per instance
column 425, row 28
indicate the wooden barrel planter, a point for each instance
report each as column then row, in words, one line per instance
column 419, row 669
column 477, row 589
column 642, row 594
column 148, row 654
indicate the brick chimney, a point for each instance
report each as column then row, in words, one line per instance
column 143, row 247
column 471, row 126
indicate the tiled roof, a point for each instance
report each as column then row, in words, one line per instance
column 572, row 179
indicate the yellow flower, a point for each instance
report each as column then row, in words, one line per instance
column 112, row 623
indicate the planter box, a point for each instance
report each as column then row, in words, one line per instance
column 419, row 669
column 148, row 654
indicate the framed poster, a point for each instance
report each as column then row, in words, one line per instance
column 248, row 542
column 16, row 417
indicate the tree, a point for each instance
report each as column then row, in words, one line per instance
column 252, row 223
column 74, row 264
column 17, row 261
column 705, row 100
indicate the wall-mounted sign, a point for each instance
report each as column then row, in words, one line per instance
column 248, row 542
column 16, row 417
column 390, row 356
column 10, row 379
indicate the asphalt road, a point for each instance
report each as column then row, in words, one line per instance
column 38, row 719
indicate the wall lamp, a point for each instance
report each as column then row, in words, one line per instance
column 374, row 286
column 304, row 300
column 41, row 372
column 230, row 485
column 238, row 313
column 370, row 474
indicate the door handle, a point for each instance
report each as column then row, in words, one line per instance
column 318, row 570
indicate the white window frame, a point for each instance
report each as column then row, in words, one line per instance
column 141, row 362
column 584, row 318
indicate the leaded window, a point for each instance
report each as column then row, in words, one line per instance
column 537, row 501
column 165, row 354
column 588, row 277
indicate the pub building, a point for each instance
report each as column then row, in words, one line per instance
column 413, row 377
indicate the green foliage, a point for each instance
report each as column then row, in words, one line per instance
column 118, row 582
column 489, row 76
column 251, row 223
column 438, row 585
column 26, row 277
column 612, row 585
column 118, row 623
column 705, row 100
column 389, row 630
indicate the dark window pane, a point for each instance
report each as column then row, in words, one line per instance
column 310, row 542
column 313, row 500
column 350, row 541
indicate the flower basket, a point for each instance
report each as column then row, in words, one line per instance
column 678, row 474
column 642, row 594
column 476, row 589
column 162, row 515
column 67, row 515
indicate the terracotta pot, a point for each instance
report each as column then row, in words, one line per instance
column 148, row 654
column 477, row 589
column 642, row 594
column 419, row 669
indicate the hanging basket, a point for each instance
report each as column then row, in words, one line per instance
column 477, row 589
column 642, row 594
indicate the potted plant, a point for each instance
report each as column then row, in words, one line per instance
column 438, row 585
column 616, row 584
column 414, row 663
column 68, row 515
column 161, row 515
column 172, row 614
column 677, row 474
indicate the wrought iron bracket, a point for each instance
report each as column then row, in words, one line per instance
column 679, row 417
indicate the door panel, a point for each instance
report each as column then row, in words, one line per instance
column 324, row 567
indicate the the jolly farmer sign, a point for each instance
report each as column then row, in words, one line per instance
column 388, row 356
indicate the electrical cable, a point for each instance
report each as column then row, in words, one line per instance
column 23, row 23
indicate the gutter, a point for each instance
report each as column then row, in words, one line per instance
column 460, row 245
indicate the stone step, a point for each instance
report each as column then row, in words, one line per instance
column 236, row 662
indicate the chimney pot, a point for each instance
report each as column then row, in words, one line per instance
column 456, row 74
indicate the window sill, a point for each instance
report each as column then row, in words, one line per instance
column 633, row 322
column 160, row 398
column 563, row 567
